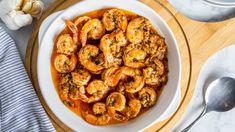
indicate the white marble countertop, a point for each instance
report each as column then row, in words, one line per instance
column 213, row 122
column 195, row 9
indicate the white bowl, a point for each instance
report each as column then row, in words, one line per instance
column 71, row 119
column 222, row 3
column 43, row 28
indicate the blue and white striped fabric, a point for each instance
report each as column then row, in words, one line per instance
column 20, row 109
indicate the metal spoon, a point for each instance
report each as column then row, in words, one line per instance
column 219, row 96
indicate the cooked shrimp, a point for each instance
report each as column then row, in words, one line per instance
column 111, row 66
column 137, row 83
column 111, row 76
column 115, row 104
column 138, row 30
column 114, row 19
column 64, row 92
column 130, row 47
column 69, row 103
column 154, row 71
column 74, row 93
column 65, row 44
column 118, row 115
column 151, row 46
column 155, row 46
column 67, row 90
column 100, row 61
column 159, row 66
column 97, row 119
column 110, row 44
column 93, row 29
column 80, row 21
column 81, row 77
column 74, row 30
column 134, row 107
column 86, row 56
column 105, row 43
column 161, row 52
column 135, row 58
column 147, row 96
column 65, row 64
column 97, row 89
column 101, row 117
column 118, row 37
column 120, row 88
column 116, row 101
column 67, row 87
column 65, row 80
column 99, row 108
column 150, row 75
column 119, row 41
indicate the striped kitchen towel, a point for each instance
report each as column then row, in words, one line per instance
column 20, row 109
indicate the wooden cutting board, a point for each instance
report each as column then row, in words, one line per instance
column 203, row 40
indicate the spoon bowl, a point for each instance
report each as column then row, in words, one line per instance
column 219, row 97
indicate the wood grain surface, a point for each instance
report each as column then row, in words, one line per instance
column 204, row 39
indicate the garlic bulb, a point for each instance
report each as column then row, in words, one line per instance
column 18, row 13
column 16, row 19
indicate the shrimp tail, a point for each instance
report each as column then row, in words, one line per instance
column 73, row 28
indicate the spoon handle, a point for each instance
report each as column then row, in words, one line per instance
column 205, row 110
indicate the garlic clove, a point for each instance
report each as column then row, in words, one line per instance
column 27, row 5
column 21, row 19
column 9, row 22
column 19, row 4
column 17, row 19
column 36, row 9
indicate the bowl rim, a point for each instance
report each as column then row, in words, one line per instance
column 220, row 4
column 83, row 2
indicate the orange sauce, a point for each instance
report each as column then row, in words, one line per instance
column 79, row 105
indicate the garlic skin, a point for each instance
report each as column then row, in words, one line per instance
column 13, row 4
column 17, row 19
column 19, row 13
column 8, row 5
